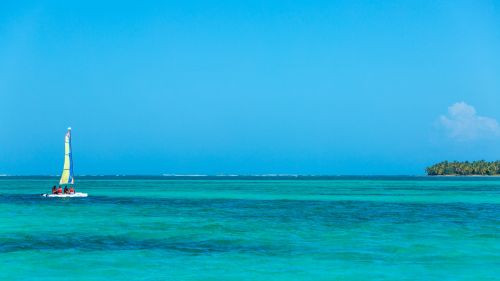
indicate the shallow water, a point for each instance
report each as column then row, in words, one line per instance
column 252, row 229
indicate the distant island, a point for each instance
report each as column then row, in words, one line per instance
column 455, row 168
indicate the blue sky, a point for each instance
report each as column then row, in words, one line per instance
column 248, row 87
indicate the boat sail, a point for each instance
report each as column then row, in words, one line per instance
column 67, row 173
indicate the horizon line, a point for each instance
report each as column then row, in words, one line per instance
column 219, row 175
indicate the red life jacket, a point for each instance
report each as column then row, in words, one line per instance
column 59, row 190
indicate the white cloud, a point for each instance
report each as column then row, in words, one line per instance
column 462, row 123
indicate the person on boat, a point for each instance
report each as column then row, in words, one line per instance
column 54, row 190
column 59, row 190
column 66, row 190
column 71, row 190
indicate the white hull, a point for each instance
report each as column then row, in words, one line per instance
column 76, row 194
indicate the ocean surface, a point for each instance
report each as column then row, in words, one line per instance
column 321, row 228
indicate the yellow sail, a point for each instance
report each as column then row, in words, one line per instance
column 67, row 173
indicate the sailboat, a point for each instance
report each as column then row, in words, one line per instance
column 67, row 177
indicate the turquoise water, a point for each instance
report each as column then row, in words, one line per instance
column 302, row 229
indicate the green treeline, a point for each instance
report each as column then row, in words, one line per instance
column 482, row 168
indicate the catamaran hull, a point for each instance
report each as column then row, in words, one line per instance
column 77, row 194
